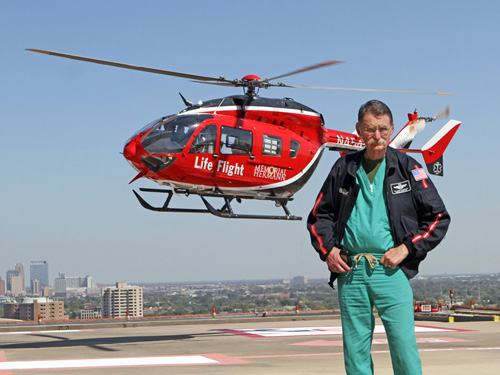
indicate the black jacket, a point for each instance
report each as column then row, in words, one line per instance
column 417, row 215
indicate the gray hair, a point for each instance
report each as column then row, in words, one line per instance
column 376, row 108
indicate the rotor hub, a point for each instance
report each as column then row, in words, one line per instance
column 251, row 77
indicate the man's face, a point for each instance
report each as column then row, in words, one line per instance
column 376, row 133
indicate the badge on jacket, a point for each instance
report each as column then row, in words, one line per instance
column 400, row 187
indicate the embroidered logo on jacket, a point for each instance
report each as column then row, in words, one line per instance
column 344, row 192
column 400, row 187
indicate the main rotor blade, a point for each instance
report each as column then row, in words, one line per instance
column 223, row 83
column 128, row 66
column 316, row 66
column 357, row 89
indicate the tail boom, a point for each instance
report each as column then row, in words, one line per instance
column 434, row 149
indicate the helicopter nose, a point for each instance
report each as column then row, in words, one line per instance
column 130, row 150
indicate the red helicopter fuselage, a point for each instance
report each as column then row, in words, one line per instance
column 242, row 145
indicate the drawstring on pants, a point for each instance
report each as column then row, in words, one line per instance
column 369, row 257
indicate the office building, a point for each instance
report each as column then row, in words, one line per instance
column 39, row 270
column 60, row 285
column 299, row 280
column 89, row 313
column 35, row 287
column 15, row 280
column 78, row 282
column 16, row 286
column 120, row 299
column 2, row 287
column 10, row 274
column 66, row 286
column 30, row 308
column 20, row 272
column 47, row 291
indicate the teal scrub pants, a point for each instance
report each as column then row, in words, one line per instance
column 389, row 291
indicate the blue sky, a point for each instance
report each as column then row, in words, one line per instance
column 65, row 196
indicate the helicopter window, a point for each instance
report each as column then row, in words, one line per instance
column 146, row 128
column 235, row 141
column 271, row 145
column 172, row 135
column 204, row 143
column 294, row 148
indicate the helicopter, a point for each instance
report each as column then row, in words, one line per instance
column 248, row 147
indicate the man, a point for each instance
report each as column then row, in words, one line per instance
column 379, row 211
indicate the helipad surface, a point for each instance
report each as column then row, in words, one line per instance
column 222, row 347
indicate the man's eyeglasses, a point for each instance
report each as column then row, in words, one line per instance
column 383, row 131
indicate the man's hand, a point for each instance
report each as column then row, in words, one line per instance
column 336, row 263
column 394, row 256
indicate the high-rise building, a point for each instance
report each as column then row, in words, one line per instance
column 9, row 276
column 60, row 285
column 16, row 286
column 47, row 291
column 20, row 272
column 117, row 301
column 39, row 270
column 65, row 286
column 2, row 287
column 15, row 280
column 35, row 287
column 299, row 280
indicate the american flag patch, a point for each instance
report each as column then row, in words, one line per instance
column 419, row 174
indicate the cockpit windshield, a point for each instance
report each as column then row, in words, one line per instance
column 171, row 135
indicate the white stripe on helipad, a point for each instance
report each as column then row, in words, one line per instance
column 106, row 362
column 321, row 331
column 43, row 332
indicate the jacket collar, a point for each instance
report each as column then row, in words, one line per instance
column 357, row 157
column 391, row 157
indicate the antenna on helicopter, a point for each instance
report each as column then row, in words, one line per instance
column 186, row 102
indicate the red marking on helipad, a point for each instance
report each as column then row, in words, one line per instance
column 224, row 359
column 3, row 359
column 441, row 329
column 320, row 343
column 239, row 332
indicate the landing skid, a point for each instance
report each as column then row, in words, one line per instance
column 226, row 211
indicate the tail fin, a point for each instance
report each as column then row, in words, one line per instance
column 433, row 150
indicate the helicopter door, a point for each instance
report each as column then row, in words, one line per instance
column 202, row 156
column 235, row 150
column 205, row 141
column 235, row 141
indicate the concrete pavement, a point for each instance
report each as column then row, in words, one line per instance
column 255, row 346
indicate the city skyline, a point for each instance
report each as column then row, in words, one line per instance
column 289, row 277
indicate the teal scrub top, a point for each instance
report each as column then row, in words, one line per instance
column 368, row 229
